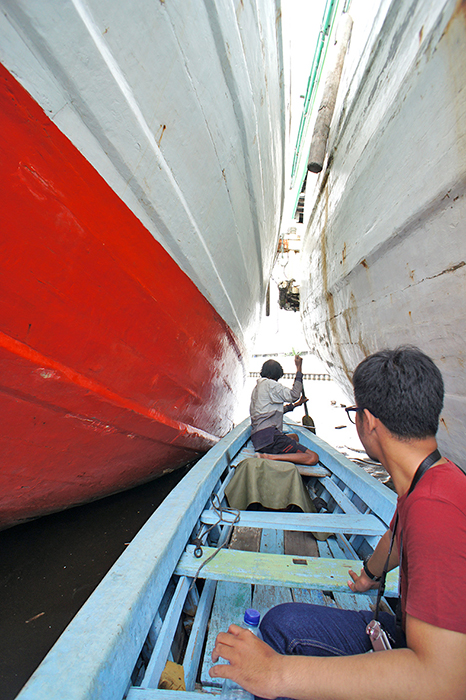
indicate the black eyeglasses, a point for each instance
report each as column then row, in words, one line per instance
column 353, row 409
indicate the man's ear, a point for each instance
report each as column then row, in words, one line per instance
column 370, row 419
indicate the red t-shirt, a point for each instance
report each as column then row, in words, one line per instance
column 433, row 521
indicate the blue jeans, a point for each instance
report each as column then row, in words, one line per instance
column 316, row 630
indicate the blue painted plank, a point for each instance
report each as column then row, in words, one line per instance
column 164, row 640
column 346, row 548
column 342, row 599
column 335, row 549
column 153, row 694
column 324, row 549
column 272, row 541
column 115, row 620
column 350, row 601
column 267, row 597
column 345, row 599
column 301, row 595
column 196, row 638
column 231, row 600
column 307, row 522
column 339, row 497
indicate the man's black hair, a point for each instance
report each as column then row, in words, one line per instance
column 403, row 388
column 272, row 370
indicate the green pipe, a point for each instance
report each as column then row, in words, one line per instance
column 313, row 83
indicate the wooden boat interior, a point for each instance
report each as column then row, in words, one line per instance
column 197, row 565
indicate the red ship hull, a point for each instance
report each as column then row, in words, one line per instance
column 114, row 367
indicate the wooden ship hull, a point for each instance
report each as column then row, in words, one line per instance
column 138, row 227
column 384, row 240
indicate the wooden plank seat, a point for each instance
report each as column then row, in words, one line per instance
column 318, row 470
column 274, row 569
column 307, row 522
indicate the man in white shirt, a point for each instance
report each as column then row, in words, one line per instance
column 266, row 410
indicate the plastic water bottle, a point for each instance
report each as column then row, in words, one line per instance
column 230, row 689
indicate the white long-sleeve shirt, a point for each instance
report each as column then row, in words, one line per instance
column 266, row 408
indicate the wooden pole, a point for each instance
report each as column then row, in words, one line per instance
column 327, row 106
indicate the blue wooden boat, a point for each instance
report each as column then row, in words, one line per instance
column 147, row 610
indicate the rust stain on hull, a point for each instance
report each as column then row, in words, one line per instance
column 162, row 133
column 328, row 296
column 453, row 268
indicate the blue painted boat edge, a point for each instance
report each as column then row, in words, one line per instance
column 381, row 499
column 95, row 655
column 155, row 694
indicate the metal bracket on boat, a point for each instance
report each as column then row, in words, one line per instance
column 198, row 550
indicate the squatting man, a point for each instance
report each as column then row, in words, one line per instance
column 318, row 653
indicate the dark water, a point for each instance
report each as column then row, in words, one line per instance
column 50, row 566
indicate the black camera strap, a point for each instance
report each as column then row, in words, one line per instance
column 420, row 471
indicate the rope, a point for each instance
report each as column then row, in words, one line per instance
column 221, row 511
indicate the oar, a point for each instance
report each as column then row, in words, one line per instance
column 307, row 420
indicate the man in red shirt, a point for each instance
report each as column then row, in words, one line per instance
column 319, row 653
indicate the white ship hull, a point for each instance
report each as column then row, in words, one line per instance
column 384, row 253
column 179, row 107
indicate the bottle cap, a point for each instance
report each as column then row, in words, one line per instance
column 252, row 617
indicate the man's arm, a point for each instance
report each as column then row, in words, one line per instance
column 362, row 583
column 297, row 387
column 432, row 668
column 282, row 393
column 290, row 406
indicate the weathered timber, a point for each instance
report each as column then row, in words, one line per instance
column 276, row 570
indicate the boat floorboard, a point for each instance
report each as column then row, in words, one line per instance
column 232, row 598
